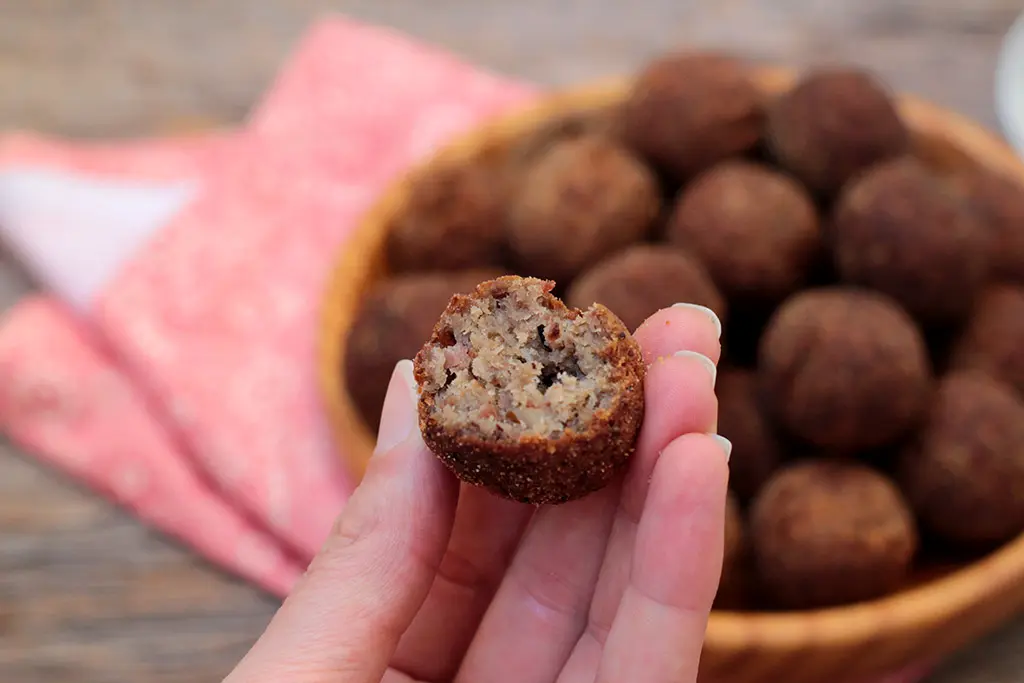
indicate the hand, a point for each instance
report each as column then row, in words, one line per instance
column 426, row 580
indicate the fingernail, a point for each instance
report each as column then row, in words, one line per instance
column 706, row 311
column 708, row 364
column 398, row 419
column 724, row 443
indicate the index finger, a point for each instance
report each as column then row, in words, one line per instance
column 683, row 326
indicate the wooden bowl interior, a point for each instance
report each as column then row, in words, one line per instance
column 864, row 638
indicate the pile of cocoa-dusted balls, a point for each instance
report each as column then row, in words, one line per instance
column 872, row 379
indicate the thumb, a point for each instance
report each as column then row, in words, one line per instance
column 343, row 622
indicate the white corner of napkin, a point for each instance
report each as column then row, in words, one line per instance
column 72, row 232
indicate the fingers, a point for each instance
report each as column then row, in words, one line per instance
column 683, row 326
column 659, row 628
column 487, row 531
column 541, row 606
column 344, row 620
column 680, row 399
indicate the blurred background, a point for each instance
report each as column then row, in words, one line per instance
column 88, row 594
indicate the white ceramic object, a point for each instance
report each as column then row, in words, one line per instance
column 1009, row 86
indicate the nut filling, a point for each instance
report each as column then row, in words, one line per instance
column 513, row 365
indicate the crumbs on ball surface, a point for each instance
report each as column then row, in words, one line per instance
column 393, row 321
column 832, row 125
column 642, row 279
column 753, row 228
column 688, row 111
column 900, row 230
column 964, row 473
column 531, row 399
column 453, row 218
column 830, row 532
column 844, row 368
column 583, row 199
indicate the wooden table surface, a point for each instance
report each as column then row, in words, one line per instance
column 86, row 593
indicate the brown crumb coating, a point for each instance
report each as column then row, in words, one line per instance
column 533, row 400
column 454, row 218
column 844, row 369
column 993, row 339
column 756, row 447
column 834, row 124
column 964, row 474
column 831, row 532
column 394, row 319
column 898, row 229
column 688, row 111
column 999, row 200
column 641, row 280
column 753, row 228
column 583, row 199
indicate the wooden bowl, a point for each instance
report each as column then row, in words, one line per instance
column 919, row 625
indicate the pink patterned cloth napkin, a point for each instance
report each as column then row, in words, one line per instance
column 173, row 369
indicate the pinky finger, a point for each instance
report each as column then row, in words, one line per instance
column 658, row 630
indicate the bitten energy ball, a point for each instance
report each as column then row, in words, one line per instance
column 583, row 199
column 831, row 532
column 756, row 450
column 641, row 280
column 833, row 125
column 999, row 200
column 964, row 475
column 754, row 229
column 454, row 219
column 533, row 400
column 993, row 339
column 686, row 112
column 394, row 320
column 844, row 369
column 899, row 230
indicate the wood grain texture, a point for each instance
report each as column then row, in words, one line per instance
column 88, row 595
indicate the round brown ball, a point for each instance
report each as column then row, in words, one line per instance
column 831, row 532
column 756, row 448
column 535, row 401
column 844, row 369
column 569, row 126
column 964, row 475
column 641, row 280
column 393, row 320
column 688, row 111
column 999, row 200
column 453, row 219
column 832, row 125
column 899, row 230
column 993, row 339
column 583, row 199
column 754, row 229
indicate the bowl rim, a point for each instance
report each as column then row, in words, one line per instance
column 998, row 574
